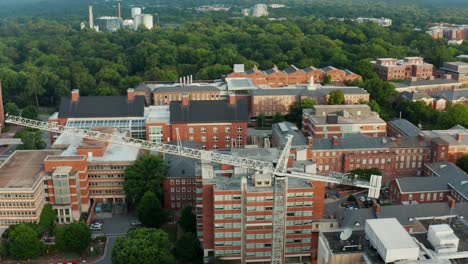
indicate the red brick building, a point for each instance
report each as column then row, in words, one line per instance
column 215, row 124
column 179, row 186
column 234, row 216
column 393, row 69
column 165, row 95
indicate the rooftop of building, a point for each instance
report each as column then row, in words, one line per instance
column 422, row 184
column 220, row 111
column 346, row 114
column 415, row 96
column 291, row 69
column 456, row 136
column 406, row 127
column 314, row 90
column 287, row 128
column 456, row 178
column 157, row 114
column 413, row 83
column 453, row 95
column 361, row 141
column 113, row 152
column 240, row 84
column 178, row 166
column 391, row 233
column 457, row 63
column 264, row 154
column 186, row 88
column 23, row 168
column 101, row 106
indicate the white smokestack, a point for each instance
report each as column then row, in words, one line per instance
column 191, row 79
column 91, row 17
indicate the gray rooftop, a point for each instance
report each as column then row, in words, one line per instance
column 422, row 184
column 453, row 95
column 411, row 83
column 406, row 127
column 240, row 84
column 301, row 90
column 287, row 128
column 101, row 106
column 220, row 111
column 457, row 178
column 189, row 88
column 415, row 96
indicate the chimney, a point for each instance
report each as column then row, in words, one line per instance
column 421, row 137
column 232, row 99
column 191, row 79
column 91, row 17
column 119, row 10
column 452, row 202
column 185, row 99
column 336, row 140
column 255, row 67
column 311, row 85
column 2, row 114
column 130, row 94
column 310, row 141
column 275, row 67
column 75, row 95
column 180, row 81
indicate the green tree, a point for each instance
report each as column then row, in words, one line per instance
column 29, row 112
column 11, row 109
column 295, row 111
column 188, row 248
column 146, row 174
column 374, row 106
column 336, row 98
column 31, row 138
column 365, row 174
column 327, row 79
column 48, row 216
column 463, row 163
column 278, row 118
column 188, row 220
column 143, row 246
column 24, row 242
column 74, row 237
column 150, row 211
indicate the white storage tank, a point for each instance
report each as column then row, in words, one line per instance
column 136, row 11
column 148, row 21
column 391, row 240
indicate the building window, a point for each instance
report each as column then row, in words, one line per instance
column 239, row 138
column 215, row 138
column 239, row 129
column 422, row 197
column 203, row 139
column 191, row 138
column 215, row 146
column 227, row 129
column 191, row 130
column 227, row 146
column 215, row 130
column 156, row 133
column 227, row 138
column 203, row 130
column 203, row 147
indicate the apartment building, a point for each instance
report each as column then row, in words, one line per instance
column 458, row 71
column 393, row 69
column 292, row 75
column 22, row 191
column 269, row 101
column 179, row 186
column 328, row 121
column 235, row 212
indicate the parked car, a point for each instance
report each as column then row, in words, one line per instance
column 95, row 227
column 98, row 208
column 135, row 223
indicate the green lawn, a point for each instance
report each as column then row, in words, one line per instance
column 171, row 230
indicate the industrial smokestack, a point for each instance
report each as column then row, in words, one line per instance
column 119, row 8
column 91, row 18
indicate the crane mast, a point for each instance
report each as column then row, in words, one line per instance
column 279, row 172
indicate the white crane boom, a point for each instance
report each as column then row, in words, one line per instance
column 279, row 172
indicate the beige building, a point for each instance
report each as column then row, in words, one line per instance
column 22, row 192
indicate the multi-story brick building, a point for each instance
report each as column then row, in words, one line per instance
column 292, row 75
column 394, row 69
column 445, row 181
column 179, row 186
column 215, row 124
column 269, row 101
column 451, row 97
column 234, row 215
column 328, row 121
column 165, row 95
column 22, row 191
column 458, row 71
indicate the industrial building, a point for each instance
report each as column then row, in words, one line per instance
column 108, row 23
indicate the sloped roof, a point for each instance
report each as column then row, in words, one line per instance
column 190, row 88
column 311, row 68
column 101, row 106
column 415, row 95
column 329, row 68
column 291, row 69
column 220, row 111
column 422, row 184
column 453, row 95
column 407, row 128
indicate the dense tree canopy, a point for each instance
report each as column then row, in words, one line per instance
column 336, row 98
column 143, row 246
column 188, row 248
column 31, row 138
column 188, row 220
column 150, row 211
column 74, row 237
column 24, row 242
column 146, row 174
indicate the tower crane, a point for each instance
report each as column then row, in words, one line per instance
column 278, row 169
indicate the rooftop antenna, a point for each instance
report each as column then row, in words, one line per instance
column 346, row 234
